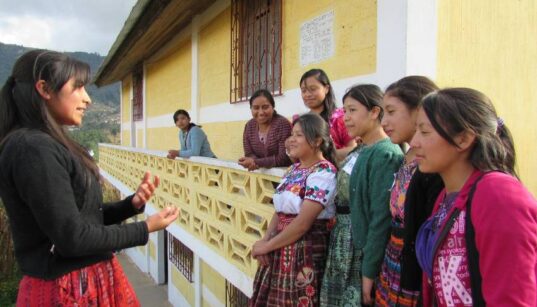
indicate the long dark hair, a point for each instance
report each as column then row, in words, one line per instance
column 455, row 110
column 184, row 113
column 410, row 90
column 329, row 102
column 263, row 93
column 315, row 127
column 369, row 95
column 22, row 107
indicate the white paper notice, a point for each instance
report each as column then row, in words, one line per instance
column 317, row 39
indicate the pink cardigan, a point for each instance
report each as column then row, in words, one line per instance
column 504, row 215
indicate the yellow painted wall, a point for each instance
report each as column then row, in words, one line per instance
column 214, row 60
column 214, row 282
column 139, row 138
column 152, row 250
column 163, row 138
column 491, row 46
column 355, row 32
column 168, row 88
column 226, row 139
column 125, row 115
column 168, row 83
column 126, row 138
column 182, row 285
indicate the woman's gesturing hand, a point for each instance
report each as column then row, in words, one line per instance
column 145, row 190
column 162, row 219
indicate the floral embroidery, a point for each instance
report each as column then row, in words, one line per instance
column 305, row 277
column 316, row 183
column 399, row 189
column 326, row 167
column 295, row 189
column 316, row 194
column 286, row 258
column 304, row 301
column 310, row 291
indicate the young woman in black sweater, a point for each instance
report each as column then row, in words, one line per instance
column 63, row 234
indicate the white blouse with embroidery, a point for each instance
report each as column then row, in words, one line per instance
column 316, row 183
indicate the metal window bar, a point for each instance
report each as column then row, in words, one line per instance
column 234, row 296
column 138, row 94
column 256, row 38
column 181, row 256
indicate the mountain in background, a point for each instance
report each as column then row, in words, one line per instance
column 101, row 122
column 108, row 95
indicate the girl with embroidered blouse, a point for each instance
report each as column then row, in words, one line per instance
column 265, row 134
column 292, row 253
column 193, row 140
column 64, row 236
column 318, row 96
column 370, row 181
column 479, row 247
column 400, row 103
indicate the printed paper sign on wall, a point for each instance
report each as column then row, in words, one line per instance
column 317, row 39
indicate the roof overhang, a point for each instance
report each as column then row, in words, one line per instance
column 150, row 25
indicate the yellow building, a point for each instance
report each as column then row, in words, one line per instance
column 207, row 57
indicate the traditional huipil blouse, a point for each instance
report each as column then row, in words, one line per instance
column 316, row 183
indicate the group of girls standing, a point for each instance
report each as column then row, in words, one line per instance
column 429, row 210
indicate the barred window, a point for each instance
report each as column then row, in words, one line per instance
column 256, row 40
column 138, row 94
column 181, row 256
column 234, row 296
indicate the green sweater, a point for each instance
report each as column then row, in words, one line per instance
column 369, row 190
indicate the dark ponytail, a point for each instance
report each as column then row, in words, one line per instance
column 329, row 102
column 184, row 113
column 369, row 95
column 411, row 90
column 314, row 127
column 455, row 110
column 8, row 115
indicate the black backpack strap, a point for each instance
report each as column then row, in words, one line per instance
column 473, row 254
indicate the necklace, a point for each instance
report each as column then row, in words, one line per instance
column 309, row 166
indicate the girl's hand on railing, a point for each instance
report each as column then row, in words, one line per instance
column 248, row 163
column 162, row 219
column 172, row 154
column 145, row 190
column 259, row 253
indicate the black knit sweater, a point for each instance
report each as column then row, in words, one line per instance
column 419, row 202
column 58, row 220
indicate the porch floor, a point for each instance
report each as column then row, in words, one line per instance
column 149, row 293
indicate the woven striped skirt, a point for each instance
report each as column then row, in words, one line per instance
column 100, row 284
column 293, row 277
column 342, row 281
column 389, row 292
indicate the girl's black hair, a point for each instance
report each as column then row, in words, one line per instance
column 411, row 90
column 369, row 95
column 315, row 127
column 456, row 110
column 22, row 107
column 185, row 113
column 262, row 93
column 329, row 103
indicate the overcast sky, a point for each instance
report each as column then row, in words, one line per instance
column 63, row 25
